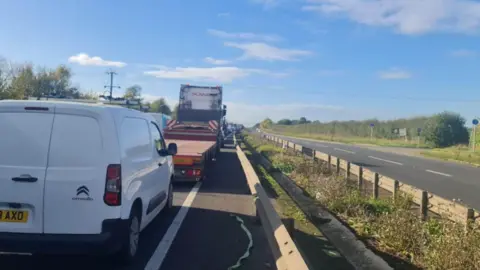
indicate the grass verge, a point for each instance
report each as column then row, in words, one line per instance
column 355, row 140
column 315, row 247
column 458, row 153
column 387, row 224
column 455, row 153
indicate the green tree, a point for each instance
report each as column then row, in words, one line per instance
column 88, row 95
column 133, row 92
column 43, row 83
column 446, row 129
column 284, row 122
column 160, row 106
column 383, row 129
column 267, row 123
column 60, row 82
column 302, row 120
column 5, row 79
column 174, row 112
column 23, row 83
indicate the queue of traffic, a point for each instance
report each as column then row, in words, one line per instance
column 81, row 178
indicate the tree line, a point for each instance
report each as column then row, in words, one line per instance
column 26, row 81
column 440, row 130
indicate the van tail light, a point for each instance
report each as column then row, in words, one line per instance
column 113, row 185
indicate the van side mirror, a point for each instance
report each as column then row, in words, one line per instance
column 172, row 149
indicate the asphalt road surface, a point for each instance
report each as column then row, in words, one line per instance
column 446, row 179
column 201, row 235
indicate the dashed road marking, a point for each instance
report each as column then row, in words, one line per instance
column 162, row 249
column 386, row 160
column 343, row 150
column 439, row 173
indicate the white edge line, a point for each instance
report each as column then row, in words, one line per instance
column 339, row 149
column 161, row 251
column 440, row 173
column 386, row 160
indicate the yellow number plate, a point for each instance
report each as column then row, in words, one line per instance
column 13, row 216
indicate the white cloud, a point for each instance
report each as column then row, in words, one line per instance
column 223, row 14
column 406, row 16
column 249, row 114
column 214, row 61
column 244, row 35
column 217, row 74
column 267, row 52
column 395, row 74
column 464, row 53
column 85, row 60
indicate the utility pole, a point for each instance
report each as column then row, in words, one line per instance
column 111, row 86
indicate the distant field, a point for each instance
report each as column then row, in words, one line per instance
column 356, row 140
column 460, row 153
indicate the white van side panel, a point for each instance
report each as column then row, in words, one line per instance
column 24, row 143
column 138, row 167
column 82, row 146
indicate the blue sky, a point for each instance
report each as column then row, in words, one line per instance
column 323, row 59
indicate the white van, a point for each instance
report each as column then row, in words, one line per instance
column 77, row 178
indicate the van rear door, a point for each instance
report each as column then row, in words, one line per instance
column 76, row 173
column 24, row 144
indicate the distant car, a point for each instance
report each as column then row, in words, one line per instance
column 80, row 178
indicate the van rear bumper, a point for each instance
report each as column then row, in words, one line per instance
column 108, row 241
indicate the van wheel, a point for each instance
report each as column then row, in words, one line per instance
column 130, row 245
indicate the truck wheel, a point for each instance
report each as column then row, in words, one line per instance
column 129, row 248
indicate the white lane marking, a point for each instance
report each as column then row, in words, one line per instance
column 348, row 151
column 161, row 251
column 386, row 160
column 439, row 173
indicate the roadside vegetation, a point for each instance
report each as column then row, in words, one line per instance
column 443, row 135
column 460, row 153
column 388, row 225
column 315, row 247
column 26, row 81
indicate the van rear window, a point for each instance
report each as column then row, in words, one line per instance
column 76, row 142
column 24, row 139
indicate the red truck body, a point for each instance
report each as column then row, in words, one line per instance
column 196, row 131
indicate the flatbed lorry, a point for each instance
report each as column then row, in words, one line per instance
column 197, row 131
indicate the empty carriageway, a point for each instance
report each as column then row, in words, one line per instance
column 202, row 231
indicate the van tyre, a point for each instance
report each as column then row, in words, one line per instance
column 129, row 248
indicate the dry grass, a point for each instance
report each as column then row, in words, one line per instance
column 356, row 140
column 394, row 228
column 457, row 153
